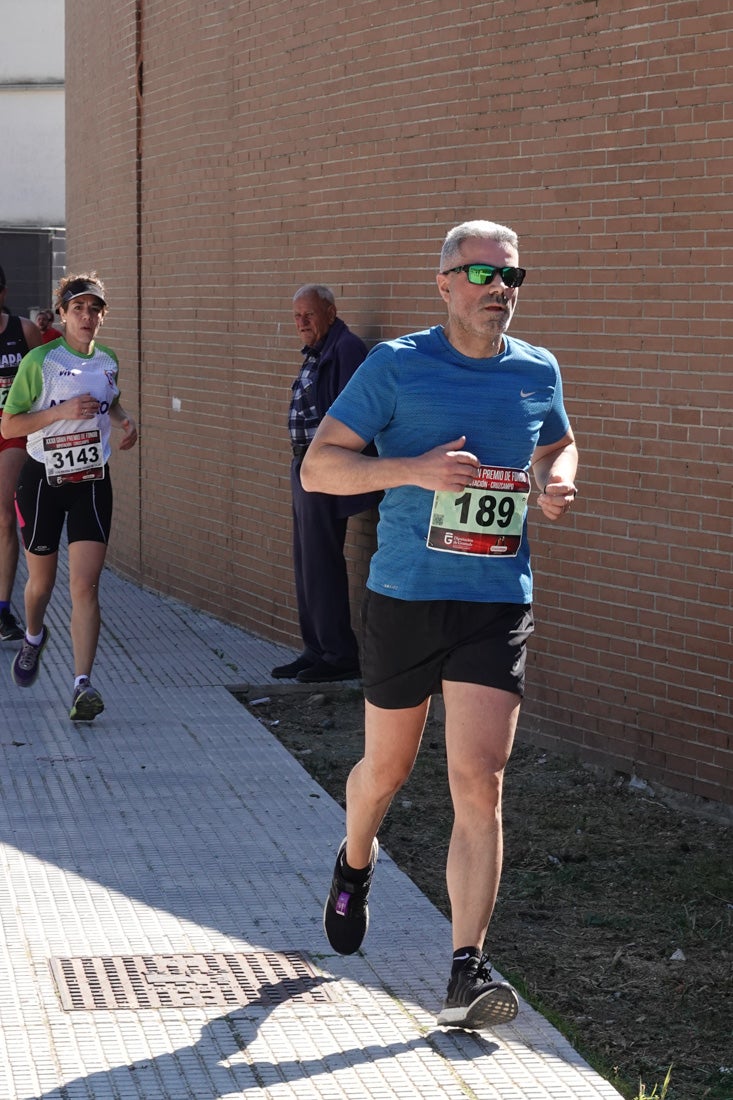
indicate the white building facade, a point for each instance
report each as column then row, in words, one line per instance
column 32, row 170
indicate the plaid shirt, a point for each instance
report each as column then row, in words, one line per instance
column 303, row 416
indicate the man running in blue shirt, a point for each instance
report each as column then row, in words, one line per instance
column 461, row 415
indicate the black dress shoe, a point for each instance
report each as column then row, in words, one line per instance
column 322, row 672
column 289, row 672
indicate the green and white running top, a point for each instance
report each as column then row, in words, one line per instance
column 53, row 373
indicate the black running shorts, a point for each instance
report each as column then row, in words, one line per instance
column 411, row 646
column 42, row 509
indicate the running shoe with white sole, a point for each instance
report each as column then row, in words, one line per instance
column 27, row 660
column 474, row 1001
column 346, row 913
column 86, row 704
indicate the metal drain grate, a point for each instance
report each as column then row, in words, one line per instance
column 225, row 980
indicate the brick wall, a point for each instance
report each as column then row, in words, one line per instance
column 279, row 145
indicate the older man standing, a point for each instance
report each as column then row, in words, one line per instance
column 331, row 354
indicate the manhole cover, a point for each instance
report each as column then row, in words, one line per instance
column 223, row 980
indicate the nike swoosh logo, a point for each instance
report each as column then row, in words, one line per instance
column 527, row 393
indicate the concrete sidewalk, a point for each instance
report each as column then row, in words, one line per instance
column 163, row 876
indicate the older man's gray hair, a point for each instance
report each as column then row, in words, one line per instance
column 482, row 230
column 323, row 292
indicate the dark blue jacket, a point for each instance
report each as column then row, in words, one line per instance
column 341, row 354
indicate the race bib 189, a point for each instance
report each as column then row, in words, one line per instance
column 487, row 518
column 73, row 457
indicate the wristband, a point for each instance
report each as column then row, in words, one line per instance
column 574, row 491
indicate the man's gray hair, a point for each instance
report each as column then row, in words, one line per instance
column 482, row 230
column 323, row 292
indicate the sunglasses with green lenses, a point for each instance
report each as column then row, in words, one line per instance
column 481, row 274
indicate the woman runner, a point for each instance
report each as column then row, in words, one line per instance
column 65, row 399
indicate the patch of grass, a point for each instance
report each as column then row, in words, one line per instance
column 654, row 1094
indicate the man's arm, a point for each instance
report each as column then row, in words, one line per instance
column 554, row 470
column 32, row 333
column 334, row 463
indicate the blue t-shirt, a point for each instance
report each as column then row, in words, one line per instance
column 417, row 392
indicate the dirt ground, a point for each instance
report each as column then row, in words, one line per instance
column 615, row 909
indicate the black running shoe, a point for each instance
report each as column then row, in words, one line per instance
column 291, row 670
column 346, row 914
column 86, row 704
column 323, row 672
column 9, row 629
column 26, row 661
column 474, row 1001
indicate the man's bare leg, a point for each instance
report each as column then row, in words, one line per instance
column 480, row 727
column 391, row 743
column 392, row 739
column 11, row 462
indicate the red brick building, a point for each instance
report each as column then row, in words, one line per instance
column 219, row 155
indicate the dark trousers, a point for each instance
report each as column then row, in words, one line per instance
column 321, row 579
